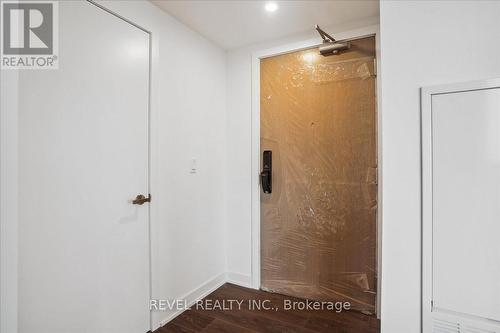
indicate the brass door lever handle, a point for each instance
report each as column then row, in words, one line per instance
column 141, row 199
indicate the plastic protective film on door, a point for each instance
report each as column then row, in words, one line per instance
column 319, row 224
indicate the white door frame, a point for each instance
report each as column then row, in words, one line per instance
column 428, row 311
column 9, row 185
column 255, row 149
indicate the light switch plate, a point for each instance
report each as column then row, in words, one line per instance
column 194, row 166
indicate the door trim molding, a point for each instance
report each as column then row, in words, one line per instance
column 373, row 30
column 429, row 311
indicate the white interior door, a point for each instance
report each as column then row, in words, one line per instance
column 83, row 156
column 462, row 210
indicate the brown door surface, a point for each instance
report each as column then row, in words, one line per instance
column 319, row 224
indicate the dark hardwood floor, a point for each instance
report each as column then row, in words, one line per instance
column 243, row 317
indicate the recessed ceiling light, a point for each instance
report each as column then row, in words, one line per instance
column 271, row 7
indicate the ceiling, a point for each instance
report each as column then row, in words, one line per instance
column 232, row 24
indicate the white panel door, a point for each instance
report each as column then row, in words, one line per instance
column 462, row 210
column 83, row 156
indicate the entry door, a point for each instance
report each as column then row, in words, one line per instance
column 318, row 224
column 83, row 156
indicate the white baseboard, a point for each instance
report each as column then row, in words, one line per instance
column 205, row 289
column 194, row 295
column 239, row 280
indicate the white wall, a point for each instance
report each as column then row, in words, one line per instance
column 8, row 199
column 239, row 127
column 187, row 121
column 422, row 43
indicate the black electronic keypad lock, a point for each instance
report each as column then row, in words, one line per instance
column 266, row 176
